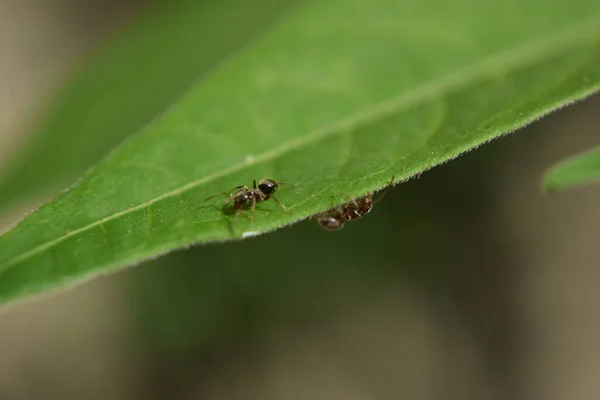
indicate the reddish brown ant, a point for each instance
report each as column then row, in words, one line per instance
column 245, row 196
column 354, row 209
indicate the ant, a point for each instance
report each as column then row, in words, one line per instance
column 354, row 209
column 246, row 196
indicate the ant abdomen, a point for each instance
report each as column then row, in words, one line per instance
column 331, row 222
column 241, row 199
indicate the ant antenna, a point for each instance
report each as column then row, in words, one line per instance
column 225, row 193
column 350, row 199
column 382, row 195
column 286, row 183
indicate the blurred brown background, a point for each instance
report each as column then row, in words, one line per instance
column 467, row 283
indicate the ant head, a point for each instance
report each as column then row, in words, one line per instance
column 268, row 186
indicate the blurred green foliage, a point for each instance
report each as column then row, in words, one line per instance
column 125, row 84
column 578, row 170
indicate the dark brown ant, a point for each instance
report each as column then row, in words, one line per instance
column 245, row 196
column 354, row 209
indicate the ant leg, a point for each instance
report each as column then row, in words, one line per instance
column 242, row 187
column 238, row 187
column 350, row 199
column 235, row 223
column 382, row 195
column 286, row 183
column 217, row 195
column 241, row 213
column 254, row 184
column 333, row 201
column 252, row 207
column 334, row 204
column 281, row 204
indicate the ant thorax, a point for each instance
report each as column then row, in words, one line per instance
column 350, row 212
column 246, row 197
column 259, row 196
column 357, row 208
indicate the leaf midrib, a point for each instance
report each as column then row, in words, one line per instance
column 511, row 59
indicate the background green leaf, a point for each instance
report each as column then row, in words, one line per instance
column 131, row 79
column 337, row 98
column 578, row 170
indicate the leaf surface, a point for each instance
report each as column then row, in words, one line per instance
column 337, row 98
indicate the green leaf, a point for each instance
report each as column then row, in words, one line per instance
column 337, row 98
column 579, row 170
column 128, row 82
